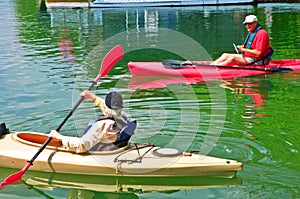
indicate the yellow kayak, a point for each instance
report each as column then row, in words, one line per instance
column 132, row 160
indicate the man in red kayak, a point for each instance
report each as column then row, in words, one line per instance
column 255, row 50
column 105, row 130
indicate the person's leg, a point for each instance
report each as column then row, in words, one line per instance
column 221, row 59
column 240, row 60
column 229, row 59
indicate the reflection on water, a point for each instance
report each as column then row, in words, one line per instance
column 215, row 28
column 115, row 186
column 253, row 93
column 43, row 69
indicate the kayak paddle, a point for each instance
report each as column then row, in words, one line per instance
column 110, row 59
column 181, row 64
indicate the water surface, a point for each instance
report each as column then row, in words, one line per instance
column 48, row 56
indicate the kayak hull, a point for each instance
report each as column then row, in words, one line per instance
column 132, row 160
column 120, row 184
column 206, row 71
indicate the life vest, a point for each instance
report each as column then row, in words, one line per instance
column 123, row 138
column 249, row 38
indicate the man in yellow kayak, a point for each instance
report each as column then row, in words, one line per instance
column 105, row 130
column 256, row 48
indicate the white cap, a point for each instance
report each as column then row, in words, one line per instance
column 250, row 19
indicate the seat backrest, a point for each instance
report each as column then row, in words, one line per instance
column 269, row 55
column 267, row 58
column 3, row 129
column 128, row 130
column 125, row 134
column 264, row 60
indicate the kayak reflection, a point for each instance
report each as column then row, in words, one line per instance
column 248, row 96
column 120, row 185
column 253, row 91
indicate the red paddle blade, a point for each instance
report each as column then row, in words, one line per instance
column 14, row 177
column 110, row 59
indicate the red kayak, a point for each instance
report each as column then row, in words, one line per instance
column 203, row 69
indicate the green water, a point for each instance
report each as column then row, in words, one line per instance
column 48, row 56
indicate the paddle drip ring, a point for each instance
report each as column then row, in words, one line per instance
column 167, row 152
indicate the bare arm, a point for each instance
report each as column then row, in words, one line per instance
column 88, row 95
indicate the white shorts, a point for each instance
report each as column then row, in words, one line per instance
column 252, row 61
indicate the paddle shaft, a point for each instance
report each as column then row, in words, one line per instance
column 109, row 60
column 233, row 67
column 17, row 176
column 277, row 69
column 61, row 124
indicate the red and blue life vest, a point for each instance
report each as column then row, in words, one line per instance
column 249, row 38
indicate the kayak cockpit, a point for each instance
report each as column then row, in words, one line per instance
column 37, row 139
